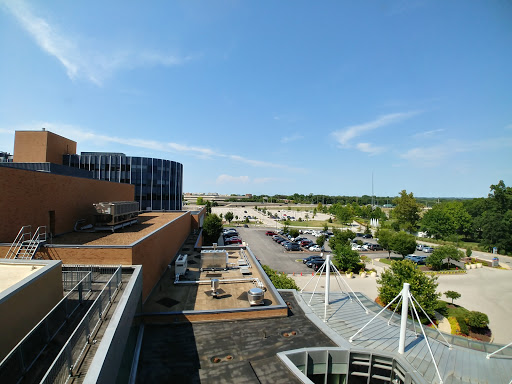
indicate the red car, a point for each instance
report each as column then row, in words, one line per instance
column 270, row 233
column 233, row 240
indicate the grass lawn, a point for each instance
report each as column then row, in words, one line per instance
column 316, row 224
column 388, row 261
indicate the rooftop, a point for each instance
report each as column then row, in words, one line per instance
column 148, row 223
column 227, row 351
column 187, row 295
column 13, row 273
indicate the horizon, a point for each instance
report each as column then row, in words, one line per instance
column 275, row 98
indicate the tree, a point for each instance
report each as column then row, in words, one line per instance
column 407, row 211
column 326, row 227
column 462, row 220
column 320, row 240
column 229, row 216
column 200, row 201
column 212, row 228
column 437, row 222
column 452, row 295
column 208, row 207
column 306, row 216
column 385, row 238
column 448, row 252
column 403, row 243
column 422, row 287
column 345, row 258
column 340, row 237
column 294, row 232
column 435, row 260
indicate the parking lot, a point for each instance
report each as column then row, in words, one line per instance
column 274, row 255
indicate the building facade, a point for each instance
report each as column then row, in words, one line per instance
column 158, row 183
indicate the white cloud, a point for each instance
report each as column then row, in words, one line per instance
column 427, row 134
column 223, row 179
column 288, row 139
column 78, row 61
column 345, row 135
column 82, row 135
column 369, row 148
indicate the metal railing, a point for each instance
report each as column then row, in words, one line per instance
column 23, row 235
column 23, row 356
column 72, row 353
column 27, row 250
column 71, row 278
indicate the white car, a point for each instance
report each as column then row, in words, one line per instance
column 356, row 247
column 315, row 248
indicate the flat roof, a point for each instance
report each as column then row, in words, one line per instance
column 13, row 273
column 187, row 296
column 243, row 351
column 148, row 223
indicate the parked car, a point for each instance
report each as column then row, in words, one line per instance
column 315, row 248
column 419, row 247
column 368, row 236
column 270, row 233
column 285, row 243
column 375, row 247
column 428, row 249
column 306, row 243
column 312, row 257
column 246, row 226
column 292, row 247
column 359, row 234
column 233, row 240
column 316, row 264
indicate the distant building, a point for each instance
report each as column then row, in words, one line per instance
column 158, row 183
column 5, row 157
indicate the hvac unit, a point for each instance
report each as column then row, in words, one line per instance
column 180, row 267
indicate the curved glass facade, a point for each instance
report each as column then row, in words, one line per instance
column 158, row 183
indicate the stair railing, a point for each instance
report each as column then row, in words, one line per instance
column 24, row 234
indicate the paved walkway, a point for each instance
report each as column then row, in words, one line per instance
column 487, row 290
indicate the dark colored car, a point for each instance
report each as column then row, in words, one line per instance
column 359, row 234
column 375, row 247
column 316, row 264
column 312, row 257
column 293, row 247
column 368, row 236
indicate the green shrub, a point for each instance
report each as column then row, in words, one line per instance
column 477, row 319
column 280, row 280
column 464, row 328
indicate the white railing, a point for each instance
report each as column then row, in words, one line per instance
column 72, row 353
column 27, row 351
column 23, row 235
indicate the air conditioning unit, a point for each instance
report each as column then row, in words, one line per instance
column 180, row 267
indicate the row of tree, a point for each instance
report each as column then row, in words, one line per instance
column 484, row 220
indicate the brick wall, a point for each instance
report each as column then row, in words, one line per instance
column 156, row 251
column 41, row 147
column 28, row 197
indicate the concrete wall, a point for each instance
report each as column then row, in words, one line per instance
column 41, row 147
column 198, row 218
column 155, row 252
column 107, row 359
column 27, row 304
column 28, row 197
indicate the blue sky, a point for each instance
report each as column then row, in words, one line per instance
column 269, row 97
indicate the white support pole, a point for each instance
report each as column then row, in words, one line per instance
column 403, row 323
column 327, row 284
column 327, row 278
